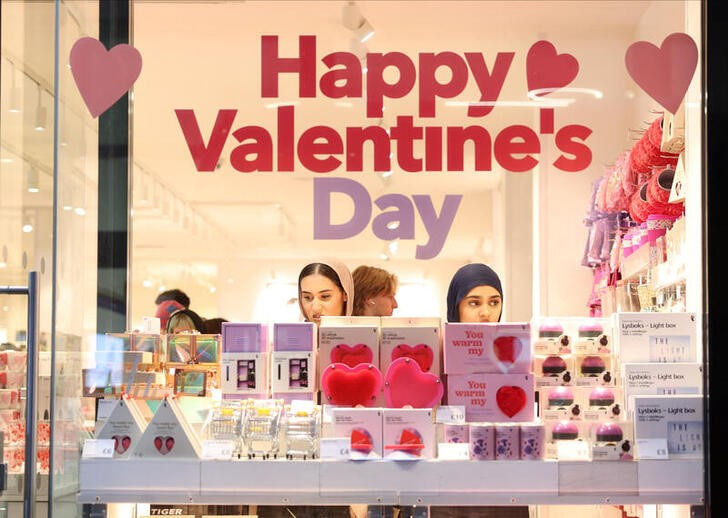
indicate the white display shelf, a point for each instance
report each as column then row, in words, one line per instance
column 427, row 482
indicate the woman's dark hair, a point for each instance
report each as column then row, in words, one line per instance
column 176, row 295
column 321, row 269
column 213, row 326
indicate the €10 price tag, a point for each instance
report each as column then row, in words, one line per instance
column 98, row 449
column 217, row 449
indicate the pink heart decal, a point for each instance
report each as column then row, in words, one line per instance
column 121, row 443
column 510, row 399
column 351, row 355
column 351, row 386
column 507, row 348
column 664, row 73
column 405, row 384
column 421, row 353
column 102, row 76
column 545, row 68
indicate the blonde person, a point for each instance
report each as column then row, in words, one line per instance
column 374, row 292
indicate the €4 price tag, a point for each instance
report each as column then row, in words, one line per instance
column 98, row 449
column 217, row 449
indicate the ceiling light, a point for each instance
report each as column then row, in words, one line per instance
column 14, row 104
column 27, row 225
column 33, row 180
column 147, row 283
column 393, row 247
column 41, row 114
column 3, row 264
column 392, row 225
column 538, row 92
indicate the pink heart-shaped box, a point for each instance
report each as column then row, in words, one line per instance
column 405, row 384
column 351, row 386
column 351, row 355
column 420, row 353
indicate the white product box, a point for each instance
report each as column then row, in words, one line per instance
column 612, row 440
column 408, row 433
column 668, row 426
column 292, row 372
column 349, row 340
column 125, row 426
column 565, row 335
column 363, row 426
column 661, row 379
column 656, row 337
column 594, row 369
column 487, row 347
column 417, row 338
column 244, row 374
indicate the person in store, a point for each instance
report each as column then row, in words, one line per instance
column 167, row 303
column 213, row 326
column 325, row 289
column 180, row 322
column 475, row 294
column 374, row 291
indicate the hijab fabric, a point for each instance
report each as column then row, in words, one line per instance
column 464, row 280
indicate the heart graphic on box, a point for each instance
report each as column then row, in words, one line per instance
column 511, row 399
column 664, row 73
column 507, row 349
column 361, row 441
column 421, row 353
column 164, row 444
column 351, row 386
column 351, row 355
column 121, row 443
column 548, row 70
column 405, row 384
column 102, row 76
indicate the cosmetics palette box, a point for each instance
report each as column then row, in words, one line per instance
column 293, row 361
column 244, row 360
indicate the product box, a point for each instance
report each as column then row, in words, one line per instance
column 348, row 340
column 554, row 370
column 487, row 347
column 612, row 440
column 408, row 433
column 493, row 397
column 671, row 423
column 567, row 440
column 134, row 342
column 125, row 425
column 416, row 338
column 595, row 403
column 594, row 369
column 661, row 379
column 190, row 348
column 550, row 336
column 244, row 360
column 656, row 337
column 168, row 435
column 364, row 428
column 293, row 361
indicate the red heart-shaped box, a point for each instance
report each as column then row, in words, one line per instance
column 351, row 355
column 507, row 349
column 420, row 353
column 406, row 385
column 351, row 386
column 510, row 399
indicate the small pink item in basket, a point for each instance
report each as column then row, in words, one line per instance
column 406, row 385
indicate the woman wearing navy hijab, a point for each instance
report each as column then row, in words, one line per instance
column 475, row 295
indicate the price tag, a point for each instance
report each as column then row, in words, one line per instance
column 98, row 449
column 652, row 448
column 301, row 407
column 217, row 449
column 453, row 451
column 450, row 414
column 335, row 448
column 572, row 450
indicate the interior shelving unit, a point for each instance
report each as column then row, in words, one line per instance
column 425, row 482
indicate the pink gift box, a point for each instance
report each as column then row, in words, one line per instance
column 487, row 347
column 493, row 397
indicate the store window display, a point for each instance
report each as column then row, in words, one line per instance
column 375, row 292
